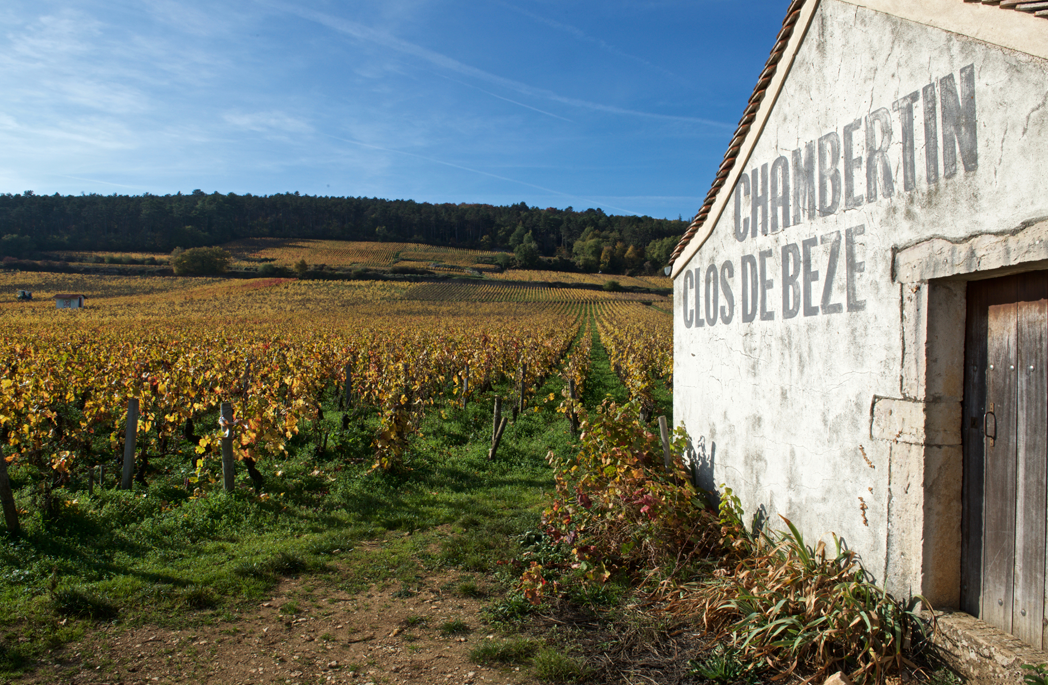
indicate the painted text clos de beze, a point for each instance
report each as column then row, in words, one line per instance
column 820, row 179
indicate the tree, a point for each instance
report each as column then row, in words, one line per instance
column 518, row 236
column 200, row 261
column 634, row 257
column 301, row 268
column 527, row 253
column 587, row 254
column 618, row 259
column 13, row 245
column 659, row 251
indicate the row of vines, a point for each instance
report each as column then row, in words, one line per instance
column 66, row 380
column 639, row 342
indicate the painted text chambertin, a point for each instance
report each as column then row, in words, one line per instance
column 836, row 172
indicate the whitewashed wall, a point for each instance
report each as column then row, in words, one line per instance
column 778, row 396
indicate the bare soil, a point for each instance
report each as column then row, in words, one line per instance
column 307, row 632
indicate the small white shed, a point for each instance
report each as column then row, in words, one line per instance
column 67, row 301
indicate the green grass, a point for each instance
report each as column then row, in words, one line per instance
column 469, row 588
column 723, row 665
column 553, row 665
column 166, row 556
column 512, row 651
column 602, row 380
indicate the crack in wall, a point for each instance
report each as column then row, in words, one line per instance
column 1042, row 105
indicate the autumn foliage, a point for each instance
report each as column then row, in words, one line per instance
column 620, row 509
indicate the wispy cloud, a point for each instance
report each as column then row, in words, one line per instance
column 54, row 36
column 101, row 182
column 267, row 122
column 494, row 95
column 371, row 35
column 585, row 37
column 477, row 171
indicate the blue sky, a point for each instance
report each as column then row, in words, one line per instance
column 626, row 106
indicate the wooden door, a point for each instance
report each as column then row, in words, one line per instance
column 1006, row 455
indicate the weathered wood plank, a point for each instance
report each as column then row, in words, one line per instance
column 1031, row 451
column 1000, row 443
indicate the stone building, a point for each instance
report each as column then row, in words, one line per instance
column 861, row 305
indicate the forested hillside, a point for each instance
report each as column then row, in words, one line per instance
column 589, row 240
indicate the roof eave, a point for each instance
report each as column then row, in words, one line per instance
column 794, row 27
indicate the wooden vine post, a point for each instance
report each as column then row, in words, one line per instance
column 497, row 428
column 347, row 387
column 344, row 398
column 7, row 498
column 465, row 386
column 664, row 431
column 520, row 390
column 573, row 419
column 130, row 437
column 245, row 380
column 228, row 465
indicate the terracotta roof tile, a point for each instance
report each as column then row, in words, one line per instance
column 1038, row 8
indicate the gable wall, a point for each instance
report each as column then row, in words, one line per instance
column 780, row 397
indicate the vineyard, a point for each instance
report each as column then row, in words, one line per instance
column 285, row 358
column 171, row 418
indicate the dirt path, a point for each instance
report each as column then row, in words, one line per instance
column 308, row 632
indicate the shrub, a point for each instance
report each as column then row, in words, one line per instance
column 409, row 271
column 618, row 507
column 1035, row 674
column 270, row 270
column 790, row 606
column 612, row 286
column 200, row 261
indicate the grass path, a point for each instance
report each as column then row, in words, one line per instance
column 602, row 380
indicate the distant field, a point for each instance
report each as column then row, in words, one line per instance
column 342, row 254
column 250, row 254
column 514, row 292
column 540, row 276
